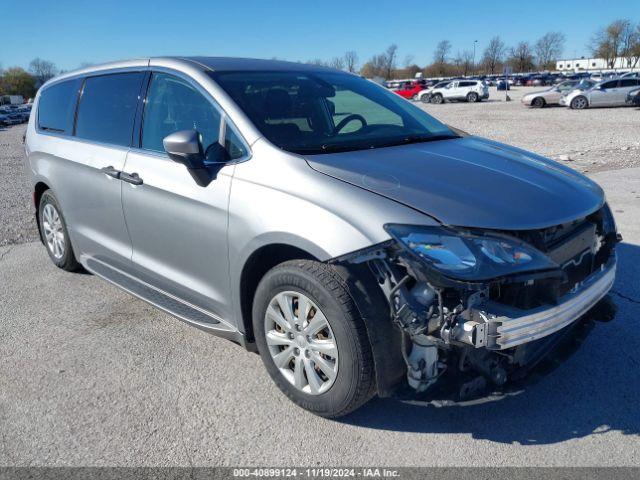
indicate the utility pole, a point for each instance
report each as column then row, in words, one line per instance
column 473, row 63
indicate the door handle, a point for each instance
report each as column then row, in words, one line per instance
column 112, row 172
column 132, row 178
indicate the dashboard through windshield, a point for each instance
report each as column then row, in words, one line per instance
column 321, row 112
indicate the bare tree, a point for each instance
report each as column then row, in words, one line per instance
column 351, row 61
column 548, row 49
column 521, row 57
column 337, row 62
column 467, row 62
column 42, row 70
column 608, row 42
column 630, row 49
column 390, row 57
column 493, row 54
column 441, row 52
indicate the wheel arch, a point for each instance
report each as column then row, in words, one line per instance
column 39, row 188
column 257, row 265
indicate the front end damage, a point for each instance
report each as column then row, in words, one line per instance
column 489, row 330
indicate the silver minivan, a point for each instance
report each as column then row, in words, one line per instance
column 358, row 244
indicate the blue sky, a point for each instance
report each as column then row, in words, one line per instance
column 71, row 32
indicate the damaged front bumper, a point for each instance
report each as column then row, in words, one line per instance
column 498, row 327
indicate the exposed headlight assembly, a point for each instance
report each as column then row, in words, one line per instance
column 469, row 256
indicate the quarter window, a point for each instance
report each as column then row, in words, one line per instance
column 56, row 106
column 107, row 108
column 628, row 82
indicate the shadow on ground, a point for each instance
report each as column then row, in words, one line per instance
column 595, row 391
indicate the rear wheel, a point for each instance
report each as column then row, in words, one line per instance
column 472, row 97
column 437, row 99
column 538, row 102
column 54, row 233
column 579, row 103
column 311, row 338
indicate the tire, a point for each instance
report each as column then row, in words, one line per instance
column 538, row 102
column 437, row 99
column 579, row 103
column 425, row 99
column 54, row 233
column 472, row 97
column 353, row 380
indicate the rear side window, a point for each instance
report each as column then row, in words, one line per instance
column 628, row 82
column 107, row 108
column 56, row 107
column 467, row 84
column 612, row 84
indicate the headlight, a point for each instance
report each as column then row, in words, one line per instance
column 469, row 256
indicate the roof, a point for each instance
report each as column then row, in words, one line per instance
column 222, row 64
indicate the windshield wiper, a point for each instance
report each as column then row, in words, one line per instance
column 419, row 139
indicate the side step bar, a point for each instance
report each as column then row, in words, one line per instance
column 166, row 302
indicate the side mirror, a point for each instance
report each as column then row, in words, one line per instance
column 184, row 147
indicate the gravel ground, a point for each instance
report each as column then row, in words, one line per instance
column 16, row 211
column 589, row 141
column 92, row 376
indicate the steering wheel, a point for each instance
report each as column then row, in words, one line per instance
column 349, row 118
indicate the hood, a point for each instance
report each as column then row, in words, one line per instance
column 470, row 182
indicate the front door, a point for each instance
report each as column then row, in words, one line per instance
column 178, row 229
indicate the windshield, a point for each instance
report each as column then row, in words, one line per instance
column 321, row 112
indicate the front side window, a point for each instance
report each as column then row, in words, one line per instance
column 321, row 112
column 174, row 104
column 57, row 105
column 107, row 108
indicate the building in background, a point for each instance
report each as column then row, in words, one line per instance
column 584, row 64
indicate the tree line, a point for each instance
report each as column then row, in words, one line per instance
column 621, row 38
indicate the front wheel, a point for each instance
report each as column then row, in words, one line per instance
column 538, row 102
column 312, row 339
column 425, row 99
column 579, row 103
column 54, row 233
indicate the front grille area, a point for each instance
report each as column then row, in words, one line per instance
column 581, row 247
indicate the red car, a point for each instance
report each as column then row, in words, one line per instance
column 410, row 90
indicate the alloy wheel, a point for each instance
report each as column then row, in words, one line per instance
column 301, row 342
column 53, row 231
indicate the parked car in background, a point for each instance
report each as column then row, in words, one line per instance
column 425, row 95
column 550, row 96
column 608, row 93
column 633, row 97
column 503, row 85
column 356, row 243
column 631, row 75
column 461, row 90
column 9, row 119
column 410, row 90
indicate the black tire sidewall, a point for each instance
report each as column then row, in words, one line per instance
column 343, row 390
column 68, row 260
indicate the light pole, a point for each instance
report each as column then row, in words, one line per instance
column 473, row 63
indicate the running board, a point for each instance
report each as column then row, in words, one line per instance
column 164, row 301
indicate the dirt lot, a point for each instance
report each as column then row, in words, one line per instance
column 589, row 141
